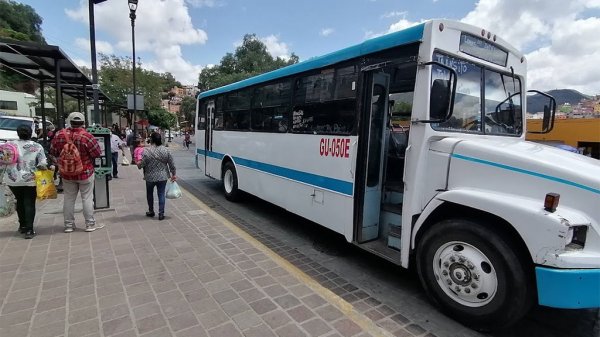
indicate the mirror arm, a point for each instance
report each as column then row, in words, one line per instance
column 553, row 107
column 454, row 75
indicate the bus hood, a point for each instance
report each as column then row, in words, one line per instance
column 527, row 169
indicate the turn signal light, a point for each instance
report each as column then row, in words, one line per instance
column 551, row 202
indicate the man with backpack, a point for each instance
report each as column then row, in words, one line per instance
column 75, row 150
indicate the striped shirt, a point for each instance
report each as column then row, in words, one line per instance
column 157, row 163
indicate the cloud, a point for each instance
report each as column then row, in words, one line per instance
column 394, row 27
column 558, row 37
column 326, row 31
column 204, row 3
column 275, row 47
column 394, row 15
column 161, row 28
column 103, row 47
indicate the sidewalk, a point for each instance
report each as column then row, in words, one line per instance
column 193, row 274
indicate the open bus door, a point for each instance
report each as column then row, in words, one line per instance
column 210, row 116
column 376, row 117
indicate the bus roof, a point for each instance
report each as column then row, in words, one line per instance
column 406, row 36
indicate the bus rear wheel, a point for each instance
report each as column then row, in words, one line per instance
column 474, row 274
column 230, row 182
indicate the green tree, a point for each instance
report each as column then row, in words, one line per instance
column 161, row 118
column 187, row 110
column 249, row 59
column 20, row 22
column 116, row 80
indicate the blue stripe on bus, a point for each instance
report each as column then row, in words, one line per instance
column 531, row 173
column 406, row 36
column 332, row 184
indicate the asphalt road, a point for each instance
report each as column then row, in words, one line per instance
column 384, row 281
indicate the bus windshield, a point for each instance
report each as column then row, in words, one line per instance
column 487, row 101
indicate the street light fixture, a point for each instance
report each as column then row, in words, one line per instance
column 132, row 8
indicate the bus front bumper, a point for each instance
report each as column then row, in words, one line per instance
column 568, row 288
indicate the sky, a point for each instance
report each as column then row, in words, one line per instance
column 559, row 37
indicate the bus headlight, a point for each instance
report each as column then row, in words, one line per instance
column 575, row 238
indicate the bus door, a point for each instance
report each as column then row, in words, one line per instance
column 376, row 117
column 210, row 116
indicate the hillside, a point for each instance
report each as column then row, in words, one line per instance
column 535, row 103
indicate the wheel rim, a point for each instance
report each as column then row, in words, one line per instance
column 465, row 274
column 228, row 181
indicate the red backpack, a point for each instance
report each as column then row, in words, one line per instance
column 69, row 160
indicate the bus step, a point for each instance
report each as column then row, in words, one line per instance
column 392, row 208
column 394, row 236
column 395, row 186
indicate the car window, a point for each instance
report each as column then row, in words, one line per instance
column 13, row 124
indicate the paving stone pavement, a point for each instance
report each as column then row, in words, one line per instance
column 192, row 274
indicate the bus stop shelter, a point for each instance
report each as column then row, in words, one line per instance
column 50, row 66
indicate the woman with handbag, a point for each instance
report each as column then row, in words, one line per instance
column 20, row 177
column 158, row 165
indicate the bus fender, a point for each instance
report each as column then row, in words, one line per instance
column 544, row 231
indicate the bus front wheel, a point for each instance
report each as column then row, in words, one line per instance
column 474, row 274
column 230, row 182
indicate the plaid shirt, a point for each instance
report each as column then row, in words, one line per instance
column 86, row 144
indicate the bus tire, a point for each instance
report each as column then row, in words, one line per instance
column 474, row 274
column 230, row 182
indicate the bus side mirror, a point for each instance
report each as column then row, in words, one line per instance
column 541, row 102
column 439, row 101
column 443, row 91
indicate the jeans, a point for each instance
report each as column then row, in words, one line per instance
column 115, row 164
column 70, row 188
column 25, row 196
column 160, row 189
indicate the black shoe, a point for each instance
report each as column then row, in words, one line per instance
column 161, row 217
column 116, row 177
column 22, row 230
column 150, row 214
column 29, row 234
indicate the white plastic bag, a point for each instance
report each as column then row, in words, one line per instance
column 173, row 190
column 125, row 161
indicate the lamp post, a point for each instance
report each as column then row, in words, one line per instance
column 132, row 8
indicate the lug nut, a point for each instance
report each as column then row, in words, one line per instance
column 445, row 272
column 470, row 265
column 457, row 288
column 452, row 259
column 474, row 285
column 449, row 282
column 446, row 264
column 476, row 277
column 461, row 259
column 467, row 290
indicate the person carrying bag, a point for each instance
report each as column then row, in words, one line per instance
column 20, row 175
column 159, row 167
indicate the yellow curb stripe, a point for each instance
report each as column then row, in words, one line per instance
column 345, row 307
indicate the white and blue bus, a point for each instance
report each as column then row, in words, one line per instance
column 412, row 145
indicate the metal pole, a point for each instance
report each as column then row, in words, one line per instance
column 96, row 111
column 132, row 16
column 84, row 110
column 59, row 107
column 43, row 101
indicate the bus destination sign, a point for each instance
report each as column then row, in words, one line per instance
column 482, row 49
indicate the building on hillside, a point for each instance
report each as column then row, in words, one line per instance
column 14, row 103
column 582, row 133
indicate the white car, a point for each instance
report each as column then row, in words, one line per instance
column 9, row 125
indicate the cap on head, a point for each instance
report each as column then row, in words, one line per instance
column 76, row 117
